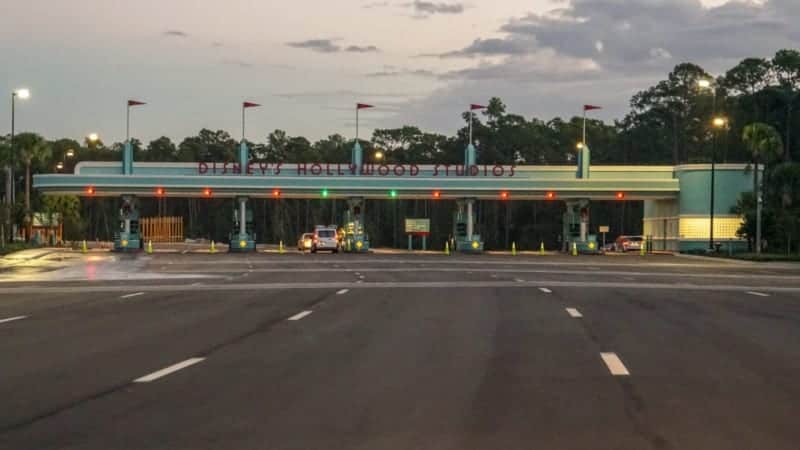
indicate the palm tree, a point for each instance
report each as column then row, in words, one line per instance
column 31, row 147
column 765, row 144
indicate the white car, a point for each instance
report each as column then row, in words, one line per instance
column 325, row 238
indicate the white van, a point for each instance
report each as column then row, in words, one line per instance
column 325, row 238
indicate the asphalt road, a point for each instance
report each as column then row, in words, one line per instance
column 397, row 352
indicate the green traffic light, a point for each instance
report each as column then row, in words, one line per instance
column 393, row 194
column 324, row 193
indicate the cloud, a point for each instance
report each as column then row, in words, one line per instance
column 239, row 63
column 361, row 49
column 430, row 8
column 175, row 33
column 329, row 46
column 317, row 45
column 376, row 5
column 390, row 72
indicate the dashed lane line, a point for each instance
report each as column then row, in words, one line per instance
column 343, row 291
column 135, row 294
column 574, row 313
column 299, row 316
column 545, row 290
column 614, row 364
column 11, row 319
column 758, row 294
column 168, row 370
column 519, row 280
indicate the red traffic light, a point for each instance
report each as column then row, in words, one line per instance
column 504, row 195
column 207, row 192
column 276, row 193
column 90, row 190
column 437, row 194
column 550, row 195
column 160, row 191
column 620, row 195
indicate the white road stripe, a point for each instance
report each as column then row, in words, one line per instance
column 299, row 315
column 574, row 313
column 11, row 319
column 168, row 370
column 614, row 364
column 135, row 294
column 546, row 291
column 361, row 277
column 343, row 291
column 519, row 280
column 759, row 294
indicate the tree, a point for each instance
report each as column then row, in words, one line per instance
column 66, row 207
column 786, row 68
column 161, row 149
column 31, row 147
column 764, row 143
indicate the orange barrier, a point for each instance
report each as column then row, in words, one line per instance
column 162, row 229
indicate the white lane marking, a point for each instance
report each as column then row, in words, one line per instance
column 299, row 316
column 359, row 281
column 358, row 273
column 546, row 291
column 11, row 319
column 519, row 280
column 135, row 294
column 759, row 294
column 614, row 364
column 574, row 313
column 494, row 275
column 196, row 284
column 361, row 277
column 168, row 370
column 184, row 252
column 343, row 291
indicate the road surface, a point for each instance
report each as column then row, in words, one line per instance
column 400, row 352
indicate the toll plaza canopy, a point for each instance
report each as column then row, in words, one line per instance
column 676, row 198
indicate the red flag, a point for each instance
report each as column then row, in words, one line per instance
column 249, row 105
column 473, row 107
column 591, row 107
column 363, row 106
column 135, row 103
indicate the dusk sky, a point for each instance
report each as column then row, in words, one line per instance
column 309, row 62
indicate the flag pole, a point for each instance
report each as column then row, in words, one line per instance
column 357, row 108
column 128, row 123
column 243, row 109
column 471, row 115
column 584, row 127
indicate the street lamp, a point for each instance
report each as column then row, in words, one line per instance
column 93, row 137
column 11, row 186
column 717, row 123
column 60, row 166
column 378, row 155
column 70, row 153
column 579, row 146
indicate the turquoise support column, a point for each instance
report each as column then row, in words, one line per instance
column 127, row 159
column 584, row 162
column 469, row 157
column 243, row 157
column 357, row 157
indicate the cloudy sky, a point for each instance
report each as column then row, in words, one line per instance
column 309, row 61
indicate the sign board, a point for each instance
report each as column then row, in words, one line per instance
column 418, row 226
column 604, row 229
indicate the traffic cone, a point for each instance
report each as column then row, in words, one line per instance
column 84, row 248
column 513, row 249
column 541, row 248
column 574, row 249
column 447, row 248
column 149, row 249
column 213, row 248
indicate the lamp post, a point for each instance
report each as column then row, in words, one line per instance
column 10, row 184
column 717, row 123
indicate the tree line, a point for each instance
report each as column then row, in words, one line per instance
column 668, row 123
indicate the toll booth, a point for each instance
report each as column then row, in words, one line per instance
column 354, row 239
column 242, row 237
column 129, row 237
column 576, row 228
column 466, row 240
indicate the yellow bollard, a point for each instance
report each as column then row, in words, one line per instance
column 149, row 249
column 574, row 248
column 643, row 248
column 541, row 248
column 447, row 248
column 281, row 250
column 513, row 249
column 213, row 248
column 84, row 248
